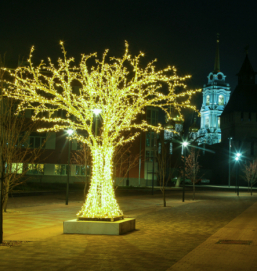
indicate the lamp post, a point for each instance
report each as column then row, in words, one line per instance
column 237, row 158
column 69, row 132
column 184, row 145
column 229, row 154
column 153, row 176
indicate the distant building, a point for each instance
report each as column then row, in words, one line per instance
column 216, row 95
column 239, row 119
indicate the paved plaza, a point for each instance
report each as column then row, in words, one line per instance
column 182, row 236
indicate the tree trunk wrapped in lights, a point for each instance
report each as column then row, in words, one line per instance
column 119, row 88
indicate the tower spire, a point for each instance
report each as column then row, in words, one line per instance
column 217, row 56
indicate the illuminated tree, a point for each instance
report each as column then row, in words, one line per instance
column 118, row 88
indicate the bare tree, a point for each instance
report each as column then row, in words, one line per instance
column 18, row 155
column 82, row 157
column 250, row 174
column 163, row 159
column 124, row 160
column 1, row 151
column 192, row 167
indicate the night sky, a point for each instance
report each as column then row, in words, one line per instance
column 180, row 33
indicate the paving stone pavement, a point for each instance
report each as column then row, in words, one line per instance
column 179, row 237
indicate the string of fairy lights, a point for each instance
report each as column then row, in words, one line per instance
column 118, row 87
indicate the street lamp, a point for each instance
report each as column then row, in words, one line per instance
column 69, row 132
column 237, row 158
column 229, row 155
column 184, row 145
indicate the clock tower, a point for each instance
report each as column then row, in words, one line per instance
column 216, row 94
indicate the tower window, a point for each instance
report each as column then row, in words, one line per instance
column 220, row 77
column 218, row 122
column 221, row 100
column 207, row 99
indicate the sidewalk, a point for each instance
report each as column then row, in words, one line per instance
column 179, row 237
column 211, row 255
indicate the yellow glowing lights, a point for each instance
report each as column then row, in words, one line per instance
column 119, row 90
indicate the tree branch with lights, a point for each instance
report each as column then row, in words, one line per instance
column 119, row 88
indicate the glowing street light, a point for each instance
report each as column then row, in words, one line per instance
column 97, row 111
column 69, row 132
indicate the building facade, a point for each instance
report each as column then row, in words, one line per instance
column 239, row 119
column 216, row 94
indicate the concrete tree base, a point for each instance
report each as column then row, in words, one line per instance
column 99, row 227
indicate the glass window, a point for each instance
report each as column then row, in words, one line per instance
column 81, row 170
column 64, row 169
column 148, row 136
column 218, row 122
column 17, row 168
column 57, row 169
column 36, row 169
column 36, row 140
column 207, row 99
column 147, row 156
column 152, row 140
column 148, row 116
column 152, row 116
column 60, row 169
column 167, row 134
column 221, row 100
column 31, row 142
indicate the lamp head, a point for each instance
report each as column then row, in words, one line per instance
column 238, row 154
column 70, row 132
column 185, row 143
column 97, row 111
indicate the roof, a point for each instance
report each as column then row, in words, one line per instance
column 243, row 98
column 246, row 67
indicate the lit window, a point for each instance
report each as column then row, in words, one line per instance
column 36, row 169
column 207, row 99
column 167, row 134
column 60, row 169
column 218, row 122
column 221, row 100
column 17, row 168
column 81, row 170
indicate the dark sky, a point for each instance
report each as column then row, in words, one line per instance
column 180, row 33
